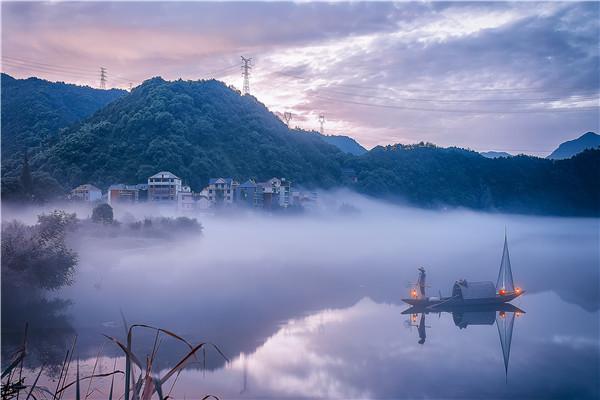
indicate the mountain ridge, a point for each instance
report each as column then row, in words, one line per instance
column 570, row 148
column 202, row 129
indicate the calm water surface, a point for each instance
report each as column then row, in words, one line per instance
column 310, row 307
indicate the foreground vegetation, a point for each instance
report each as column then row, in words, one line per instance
column 36, row 260
column 147, row 384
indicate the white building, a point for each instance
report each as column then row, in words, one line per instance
column 221, row 190
column 185, row 199
column 164, row 187
column 87, row 192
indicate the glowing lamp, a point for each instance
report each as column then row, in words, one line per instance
column 502, row 292
column 518, row 290
column 414, row 293
column 502, row 314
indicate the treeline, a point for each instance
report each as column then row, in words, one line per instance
column 203, row 129
column 430, row 176
column 34, row 110
column 197, row 130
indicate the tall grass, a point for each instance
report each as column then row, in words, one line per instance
column 147, row 385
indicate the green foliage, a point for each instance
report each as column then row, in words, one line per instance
column 430, row 176
column 202, row 129
column 196, row 129
column 37, row 256
column 103, row 213
column 26, row 179
column 34, row 110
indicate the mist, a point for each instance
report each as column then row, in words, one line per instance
column 246, row 275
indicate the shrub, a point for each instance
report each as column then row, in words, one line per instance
column 103, row 213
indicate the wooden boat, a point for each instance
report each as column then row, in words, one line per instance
column 466, row 293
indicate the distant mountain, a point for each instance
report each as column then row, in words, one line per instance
column 495, row 154
column 197, row 130
column 34, row 110
column 589, row 140
column 345, row 144
column 202, row 129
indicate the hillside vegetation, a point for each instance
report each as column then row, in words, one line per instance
column 203, row 129
column 431, row 176
column 34, row 110
column 197, row 129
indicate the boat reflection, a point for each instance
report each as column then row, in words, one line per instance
column 503, row 315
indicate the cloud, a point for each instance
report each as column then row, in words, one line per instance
column 445, row 72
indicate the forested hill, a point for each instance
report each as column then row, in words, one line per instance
column 203, row 129
column 197, row 129
column 431, row 176
column 34, row 109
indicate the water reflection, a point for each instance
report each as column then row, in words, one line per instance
column 49, row 330
column 503, row 315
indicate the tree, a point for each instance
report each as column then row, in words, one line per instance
column 26, row 180
column 37, row 256
column 103, row 213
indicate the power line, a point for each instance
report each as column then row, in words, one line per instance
column 452, row 101
column 46, row 68
column 437, row 90
column 322, row 122
column 246, row 67
column 470, row 111
column 102, row 78
column 43, row 64
column 219, row 71
column 287, row 117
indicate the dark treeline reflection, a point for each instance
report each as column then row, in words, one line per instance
column 36, row 260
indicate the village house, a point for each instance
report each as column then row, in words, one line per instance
column 142, row 192
column 273, row 193
column 221, row 191
column 189, row 201
column 245, row 194
column 120, row 193
column 87, row 192
column 164, row 187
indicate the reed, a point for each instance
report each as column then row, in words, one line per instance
column 148, row 384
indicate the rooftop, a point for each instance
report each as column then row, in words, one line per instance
column 164, row 174
column 87, row 186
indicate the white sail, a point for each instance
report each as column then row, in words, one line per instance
column 505, row 277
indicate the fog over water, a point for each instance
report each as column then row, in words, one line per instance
column 310, row 305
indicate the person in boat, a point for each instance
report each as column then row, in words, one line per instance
column 421, row 282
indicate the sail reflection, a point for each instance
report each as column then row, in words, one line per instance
column 503, row 315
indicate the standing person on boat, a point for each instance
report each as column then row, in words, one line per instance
column 421, row 282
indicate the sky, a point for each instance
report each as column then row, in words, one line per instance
column 515, row 77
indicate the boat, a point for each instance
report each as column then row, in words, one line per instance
column 466, row 293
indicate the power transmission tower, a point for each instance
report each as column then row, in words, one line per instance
column 287, row 117
column 246, row 73
column 102, row 78
column 321, row 121
column 130, row 86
